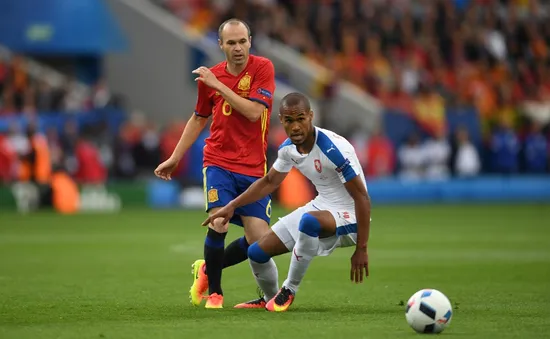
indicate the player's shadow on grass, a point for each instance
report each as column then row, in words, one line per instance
column 347, row 310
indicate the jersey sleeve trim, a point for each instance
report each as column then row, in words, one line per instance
column 201, row 115
column 347, row 171
column 259, row 101
column 343, row 165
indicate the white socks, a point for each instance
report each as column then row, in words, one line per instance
column 267, row 277
column 305, row 249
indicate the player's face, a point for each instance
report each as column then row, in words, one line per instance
column 297, row 122
column 235, row 43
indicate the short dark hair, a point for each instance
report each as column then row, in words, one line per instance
column 232, row 21
column 295, row 99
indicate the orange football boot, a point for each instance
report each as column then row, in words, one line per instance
column 280, row 302
column 215, row 300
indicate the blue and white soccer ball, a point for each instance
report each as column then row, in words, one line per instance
column 429, row 311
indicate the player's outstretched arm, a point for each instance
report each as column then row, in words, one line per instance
column 190, row 134
column 359, row 260
column 256, row 191
column 260, row 188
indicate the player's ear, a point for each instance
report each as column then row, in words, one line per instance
column 280, row 118
column 250, row 39
column 310, row 113
column 220, row 43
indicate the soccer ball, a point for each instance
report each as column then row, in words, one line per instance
column 429, row 311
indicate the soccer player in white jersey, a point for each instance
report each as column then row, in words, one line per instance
column 338, row 217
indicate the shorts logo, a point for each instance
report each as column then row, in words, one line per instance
column 244, row 83
column 213, row 195
column 318, row 167
column 344, row 215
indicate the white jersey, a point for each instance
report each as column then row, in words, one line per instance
column 331, row 163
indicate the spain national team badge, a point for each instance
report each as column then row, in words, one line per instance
column 318, row 167
column 244, row 83
column 213, row 195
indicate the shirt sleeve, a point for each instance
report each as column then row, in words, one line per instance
column 346, row 168
column 203, row 108
column 282, row 164
column 263, row 85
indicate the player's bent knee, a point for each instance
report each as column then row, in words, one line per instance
column 310, row 225
column 218, row 226
column 255, row 253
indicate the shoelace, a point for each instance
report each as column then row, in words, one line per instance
column 283, row 296
column 261, row 294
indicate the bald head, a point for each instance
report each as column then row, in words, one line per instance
column 234, row 24
column 294, row 100
column 297, row 118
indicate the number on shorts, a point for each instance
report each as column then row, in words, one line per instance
column 268, row 209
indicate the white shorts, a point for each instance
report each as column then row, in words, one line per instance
column 287, row 230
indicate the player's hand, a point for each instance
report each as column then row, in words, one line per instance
column 207, row 77
column 359, row 265
column 164, row 170
column 225, row 212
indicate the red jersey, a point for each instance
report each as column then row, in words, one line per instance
column 235, row 143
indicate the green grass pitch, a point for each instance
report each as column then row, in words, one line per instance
column 127, row 275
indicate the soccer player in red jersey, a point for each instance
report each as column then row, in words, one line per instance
column 237, row 93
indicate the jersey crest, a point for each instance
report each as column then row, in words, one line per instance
column 244, row 83
column 318, row 166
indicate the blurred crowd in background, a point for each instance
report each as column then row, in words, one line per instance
column 420, row 58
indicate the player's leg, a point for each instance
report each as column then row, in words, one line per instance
column 311, row 227
column 219, row 189
column 235, row 252
column 255, row 219
column 280, row 239
column 254, row 227
column 263, row 266
column 213, row 260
